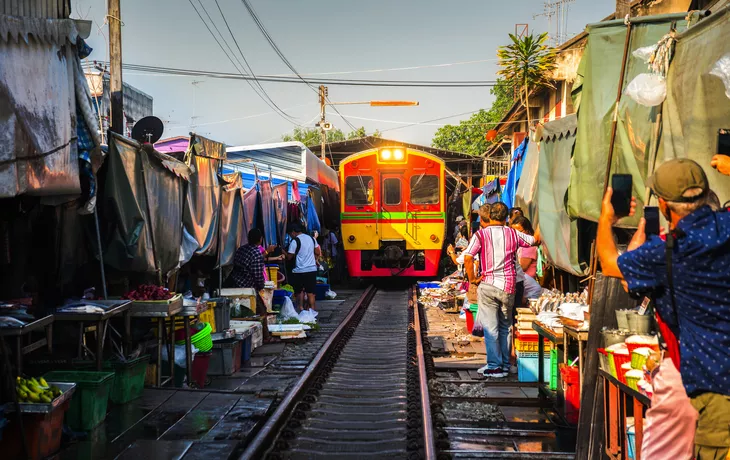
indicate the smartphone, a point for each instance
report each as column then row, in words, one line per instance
column 621, row 199
column 723, row 142
column 651, row 215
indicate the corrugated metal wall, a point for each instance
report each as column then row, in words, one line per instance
column 53, row 9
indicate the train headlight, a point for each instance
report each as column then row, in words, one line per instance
column 434, row 238
column 398, row 154
column 385, row 154
column 351, row 238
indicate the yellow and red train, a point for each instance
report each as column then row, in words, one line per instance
column 393, row 212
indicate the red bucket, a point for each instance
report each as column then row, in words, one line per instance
column 571, row 389
column 200, row 368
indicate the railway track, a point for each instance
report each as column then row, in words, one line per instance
column 365, row 394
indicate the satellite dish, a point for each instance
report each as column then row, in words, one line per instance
column 148, row 130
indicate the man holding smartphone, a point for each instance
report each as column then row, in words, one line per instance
column 692, row 295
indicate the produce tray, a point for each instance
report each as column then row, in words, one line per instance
column 157, row 308
column 45, row 408
column 30, row 327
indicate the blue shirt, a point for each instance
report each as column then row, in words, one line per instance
column 701, row 276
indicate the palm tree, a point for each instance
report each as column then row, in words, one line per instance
column 527, row 64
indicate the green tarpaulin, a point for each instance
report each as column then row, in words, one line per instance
column 595, row 95
column 696, row 105
column 558, row 232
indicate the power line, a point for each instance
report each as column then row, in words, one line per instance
column 331, row 82
column 268, row 102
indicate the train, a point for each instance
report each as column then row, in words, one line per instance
column 393, row 212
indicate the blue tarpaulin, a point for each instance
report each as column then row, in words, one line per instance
column 513, row 178
column 312, row 218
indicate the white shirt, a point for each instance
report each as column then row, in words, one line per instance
column 305, row 260
column 460, row 262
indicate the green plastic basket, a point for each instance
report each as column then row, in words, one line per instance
column 128, row 379
column 201, row 339
column 89, row 402
column 554, row 369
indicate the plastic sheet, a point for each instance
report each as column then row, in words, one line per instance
column 233, row 228
column 201, row 212
column 250, row 199
column 287, row 310
column 268, row 213
column 721, row 70
column 280, row 205
column 645, row 53
column 647, row 89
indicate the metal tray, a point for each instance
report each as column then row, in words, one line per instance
column 45, row 408
column 30, row 327
column 157, row 308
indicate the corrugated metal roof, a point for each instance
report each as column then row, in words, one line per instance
column 289, row 160
column 52, row 9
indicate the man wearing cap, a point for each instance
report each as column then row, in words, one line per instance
column 460, row 222
column 699, row 314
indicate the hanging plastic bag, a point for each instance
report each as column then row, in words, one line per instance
column 645, row 53
column 330, row 295
column 287, row 310
column 721, row 70
column 179, row 357
column 647, row 89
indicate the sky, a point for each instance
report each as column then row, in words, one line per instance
column 319, row 36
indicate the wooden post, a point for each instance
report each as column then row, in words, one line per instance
column 114, row 16
column 469, row 187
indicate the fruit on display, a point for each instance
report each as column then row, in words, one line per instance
column 34, row 390
column 148, row 292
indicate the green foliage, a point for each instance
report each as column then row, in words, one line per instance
column 312, row 136
column 527, row 63
column 469, row 135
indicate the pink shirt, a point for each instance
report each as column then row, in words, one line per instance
column 529, row 253
column 497, row 247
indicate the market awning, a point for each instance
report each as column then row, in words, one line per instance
column 559, row 233
column 594, row 92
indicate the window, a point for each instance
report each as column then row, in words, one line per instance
column 359, row 190
column 391, row 191
column 424, row 189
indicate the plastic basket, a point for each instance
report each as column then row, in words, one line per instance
column 226, row 357
column 202, row 340
column 89, row 402
column 128, row 379
column 530, row 346
column 208, row 316
column 527, row 367
column 554, row 369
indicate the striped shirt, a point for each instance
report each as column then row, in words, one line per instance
column 497, row 247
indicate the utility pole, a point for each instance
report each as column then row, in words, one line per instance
column 322, row 104
column 114, row 16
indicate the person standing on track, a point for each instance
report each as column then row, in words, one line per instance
column 305, row 252
column 496, row 245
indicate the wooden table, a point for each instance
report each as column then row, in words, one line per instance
column 618, row 397
column 161, row 334
column 557, row 339
column 580, row 337
column 101, row 320
column 18, row 332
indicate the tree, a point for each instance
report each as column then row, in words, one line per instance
column 312, row 136
column 527, row 64
column 469, row 135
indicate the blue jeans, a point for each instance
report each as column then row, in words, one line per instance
column 495, row 315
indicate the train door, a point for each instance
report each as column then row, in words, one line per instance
column 391, row 201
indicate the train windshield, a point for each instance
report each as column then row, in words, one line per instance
column 424, row 189
column 359, row 190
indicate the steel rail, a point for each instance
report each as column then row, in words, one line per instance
column 428, row 436
column 267, row 434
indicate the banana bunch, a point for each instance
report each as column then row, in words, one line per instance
column 34, row 390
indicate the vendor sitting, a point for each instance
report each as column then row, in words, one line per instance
column 248, row 269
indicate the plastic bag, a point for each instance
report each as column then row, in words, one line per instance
column 307, row 316
column 179, row 357
column 330, row 294
column 647, row 89
column 287, row 310
column 645, row 53
column 721, row 70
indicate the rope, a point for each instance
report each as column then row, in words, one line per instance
column 662, row 55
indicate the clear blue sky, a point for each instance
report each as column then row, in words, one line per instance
column 319, row 36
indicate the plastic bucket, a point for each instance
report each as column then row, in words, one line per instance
column 89, row 402
column 469, row 321
column 200, row 368
column 571, row 389
column 128, row 379
column 639, row 324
